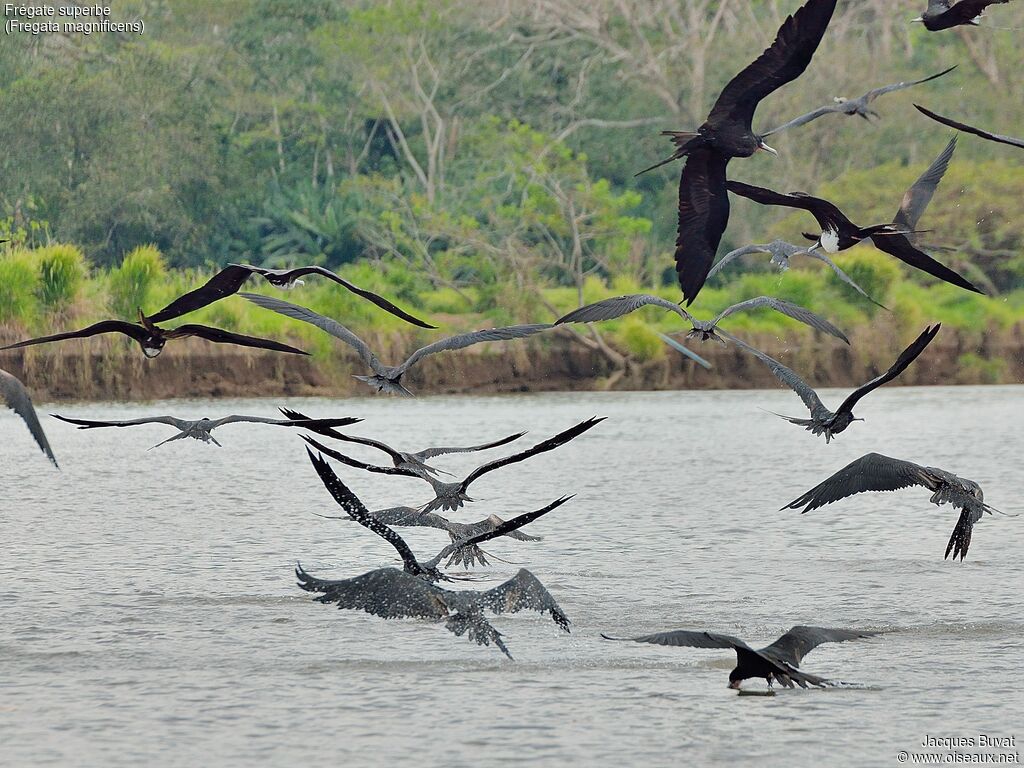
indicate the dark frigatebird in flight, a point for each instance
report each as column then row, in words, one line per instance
column 200, row 429
column 414, row 460
column 453, row 495
column 728, row 133
column 946, row 14
column 388, row 378
column 152, row 339
column 778, row 661
column 16, row 398
column 233, row 276
column 858, row 106
column 968, row 129
column 617, row 306
column 875, row 472
column 897, row 239
column 823, row 421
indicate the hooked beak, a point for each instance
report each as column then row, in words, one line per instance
column 734, row 685
column 918, row 20
column 764, row 147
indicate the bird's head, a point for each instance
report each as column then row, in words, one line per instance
column 153, row 345
column 762, row 147
column 735, row 680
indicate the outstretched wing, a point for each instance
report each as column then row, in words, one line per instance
column 224, row 283
column 804, row 119
column 385, row 592
column 18, row 400
column 303, row 423
column 968, row 129
column 523, row 591
column 786, row 376
column 916, row 199
column 783, row 61
column 732, row 256
column 688, row 638
column 329, row 432
column 370, row 296
column 899, row 246
column 326, row 324
column 827, row 214
column 960, row 539
column 805, row 316
column 429, row 453
column 871, row 472
column 360, row 465
column 505, row 527
column 136, row 332
column 703, row 217
column 468, row 339
column 219, row 336
column 548, row 445
column 841, row 275
column 354, row 507
column 800, row 640
column 617, row 306
column 87, row 424
column 902, row 362
column 876, row 92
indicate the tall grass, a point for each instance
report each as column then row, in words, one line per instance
column 61, row 272
column 132, row 283
column 19, row 283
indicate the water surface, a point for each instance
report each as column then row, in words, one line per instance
column 150, row 613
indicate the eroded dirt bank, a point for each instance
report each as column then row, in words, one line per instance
column 100, row 369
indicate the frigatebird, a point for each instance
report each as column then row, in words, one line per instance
column 969, row 129
column 230, row 279
column 200, row 429
column 823, row 421
column 453, row 495
column 946, row 14
column 16, row 398
column 728, row 133
column 388, row 378
column 875, row 472
column 152, row 339
column 427, row 569
column 839, row 233
column 778, row 661
column 858, row 106
column 781, row 252
column 617, row 306
column 414, row 460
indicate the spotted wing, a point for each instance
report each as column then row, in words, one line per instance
column 467, row 339
column 968, row 129
column 871, row 472
column 18, row 400
column 523, row 591
column 800, row 640
column 805, row 316
column 224, row 283
column 386, row 592
column 783, row 61
column 349, row 502
column 617, row 306
column 916, row 199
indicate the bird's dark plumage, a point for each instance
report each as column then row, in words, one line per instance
column 16, row 398
column 875, row 472
column 728, row 133
column 230, row 279
column 969, row 129
column 946, row 14
column 778, row 661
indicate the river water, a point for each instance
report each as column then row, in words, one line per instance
column 150, row 613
